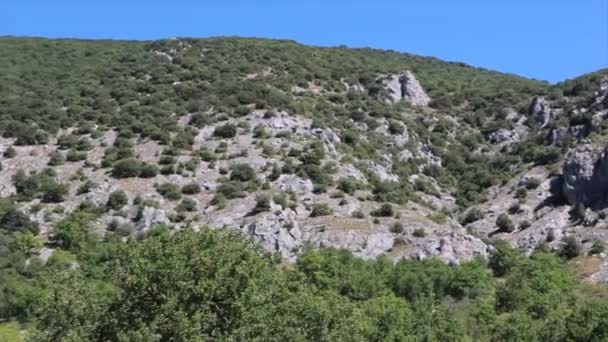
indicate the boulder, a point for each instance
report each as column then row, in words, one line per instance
column 151, row 217
column 504, row 138
column 276, row 230
column 451, row 247
column 293, row 183
column 405, row 87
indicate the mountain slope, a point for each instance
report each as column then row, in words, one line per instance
column 375, row 151
column 475, row 199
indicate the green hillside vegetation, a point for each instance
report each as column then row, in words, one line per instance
column 217, row 285
column 133, row 87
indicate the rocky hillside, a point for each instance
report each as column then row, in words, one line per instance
column 378, row 152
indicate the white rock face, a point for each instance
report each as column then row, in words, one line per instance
column 151, row 217
column 540, row 111
column 405, row 87
column 504, row 138
column 601, row 96
column 293, row 183
column 585, row 175
column 363, row 244
column 277, row 231
column 451, row 247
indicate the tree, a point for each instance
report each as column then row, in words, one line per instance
column 503, row 258
column 199, row 285
column 71, row 232
column 26, row 242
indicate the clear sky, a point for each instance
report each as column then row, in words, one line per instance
column 544, row 39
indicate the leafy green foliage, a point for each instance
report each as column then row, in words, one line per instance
column 41, row 185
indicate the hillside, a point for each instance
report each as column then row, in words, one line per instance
column 387, row 155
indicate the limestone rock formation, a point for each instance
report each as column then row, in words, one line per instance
column 540, row 111
column 151, row 217
column 504, row 138
column 585, row 175
column 601, row 96
column 405, row 87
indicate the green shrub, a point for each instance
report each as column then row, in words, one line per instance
column 187, row 204
column 321, row 209
column 262, row 204
column 148, row 171
column 395, row 127
column 10, row 152
column 504, row 223
column 117, row 200
column 169, row 191
column 242, row 173
column 225, row 131
column 126, row 168
column 348, row 185
column 75, row 156
column 86, row 187
column 597, row 247
column 397, row 228
column 472, row 215
column 386, row 210
column 571, row 248
column 524, row 225
column 51, row 191
column 56, row 158
column 419, row 232
column 521, row 193
column 191, row 189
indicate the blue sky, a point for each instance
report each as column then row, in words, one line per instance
column 544, row 39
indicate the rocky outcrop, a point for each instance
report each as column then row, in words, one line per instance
column 558, row 136
column 540, row 111
column 585, row 176
column 276, row 230
column 601, row 96
column 504, row 138
column 151, row 217
column 405, row 87
column 452, row 247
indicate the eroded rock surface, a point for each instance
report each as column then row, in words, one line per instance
column 405, row 87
